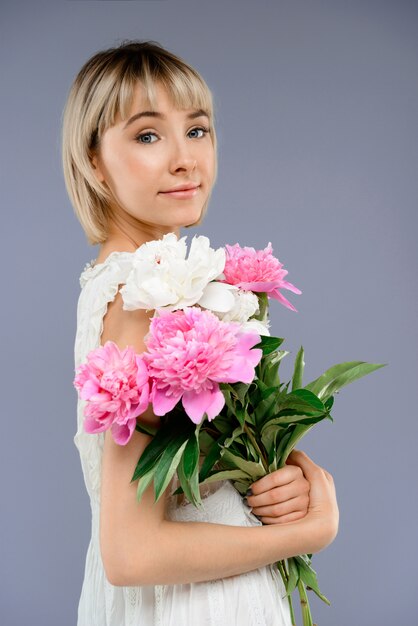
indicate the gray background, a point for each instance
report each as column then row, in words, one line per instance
column 316, row 106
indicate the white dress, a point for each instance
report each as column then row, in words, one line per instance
column 255, row 598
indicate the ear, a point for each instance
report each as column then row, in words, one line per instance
column 96, row 168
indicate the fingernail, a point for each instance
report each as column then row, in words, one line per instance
column 249, row 492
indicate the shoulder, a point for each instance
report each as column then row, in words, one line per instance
column 103, row 293
column 125, row 327
column 100, row 284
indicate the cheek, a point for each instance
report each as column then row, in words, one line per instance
column 131, row 169
column 210, row 162
column 141, row 168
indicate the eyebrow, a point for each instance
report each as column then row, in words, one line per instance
column 190, row 116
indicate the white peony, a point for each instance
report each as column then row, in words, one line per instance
column 262, row 328
column 162, row 276
column 245, row 306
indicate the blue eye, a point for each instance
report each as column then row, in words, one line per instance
column 204, row 130
column 139, row 137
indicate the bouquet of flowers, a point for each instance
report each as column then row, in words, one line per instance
column 211, row 371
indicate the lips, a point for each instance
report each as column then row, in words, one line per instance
column 184, row 187
column 181, row 194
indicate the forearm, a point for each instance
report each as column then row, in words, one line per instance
column 185, row 552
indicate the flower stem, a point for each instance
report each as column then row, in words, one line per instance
column 263, row 307
column 282, row 569
column 304, row 603
column 264, row 461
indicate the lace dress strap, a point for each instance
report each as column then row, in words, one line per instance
column 99, row 285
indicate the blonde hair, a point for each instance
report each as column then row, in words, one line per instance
column 105, row 87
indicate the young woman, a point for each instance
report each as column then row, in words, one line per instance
column 138, row 126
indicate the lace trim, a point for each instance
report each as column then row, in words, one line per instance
column 158, row 605
column 215, row 601
column 92, row 307
column 255, row 608
column 132, row 596
column 92, row 268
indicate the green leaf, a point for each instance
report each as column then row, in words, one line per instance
column 240, row 414
column 252, row 469
column 223, row 424
column 266, row 406
column 190, row 481
column 294, row 417
column 293, row 578
column 298, row 370
column 251, row 452
column 340, row 375
column 269, row 344
column 267, row 439
column 147, row 429
column 190, row 456
column 152, row 453
column 302, row 398
column 241, row 486
column 237, row 432
column 271, row 372
column 267, row 391
column 143, row 483
column 231, row 474
column 308, row 576
column 166, row 467
column 178, row 431
column 213, row 455
column 328, row 403
column 295, row 435
column 240, row 391
column 230, row 403
column 298, row 406
column 205, row 441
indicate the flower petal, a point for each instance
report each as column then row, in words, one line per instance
column 280, row 297
column 197, row 403
column 162, row 403
column 123, row 432
column 217, row 296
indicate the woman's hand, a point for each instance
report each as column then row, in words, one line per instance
column 282, row 496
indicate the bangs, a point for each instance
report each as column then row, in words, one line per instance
column 184, row 87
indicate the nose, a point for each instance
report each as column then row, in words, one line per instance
column 183, row 158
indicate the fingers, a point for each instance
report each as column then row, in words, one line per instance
column 299, row 488
column 309, row 468
column 283, row 493
column 299, row 504
column 291, row 517
column 282, row 476
column 328, row 475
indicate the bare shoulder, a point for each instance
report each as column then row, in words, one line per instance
column 125, row 328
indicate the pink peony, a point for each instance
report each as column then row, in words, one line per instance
column 116, row 386
column 257, row 270
column 189, row 352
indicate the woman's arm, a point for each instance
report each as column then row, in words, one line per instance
column 140, row 546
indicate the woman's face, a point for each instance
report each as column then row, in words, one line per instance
column 143, row 157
